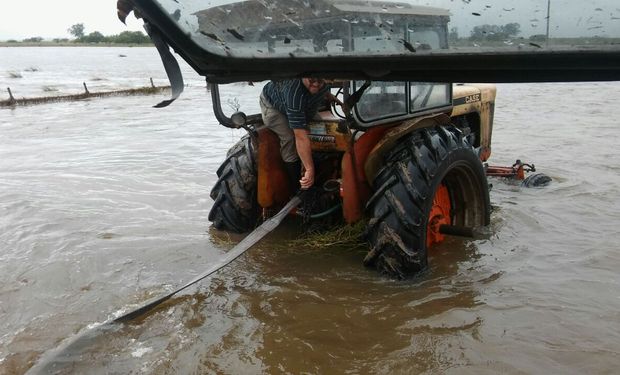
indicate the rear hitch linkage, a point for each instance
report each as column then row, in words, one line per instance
column 517, row 171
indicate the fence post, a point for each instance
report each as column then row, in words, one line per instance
column 86, row 88
column 11, row 98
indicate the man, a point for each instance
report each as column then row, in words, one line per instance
column 286, row 108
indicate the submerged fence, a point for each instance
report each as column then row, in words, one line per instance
column 146, row 90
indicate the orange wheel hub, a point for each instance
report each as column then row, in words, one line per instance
column 439, row 215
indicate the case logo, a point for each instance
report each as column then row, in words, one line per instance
column 472, row 98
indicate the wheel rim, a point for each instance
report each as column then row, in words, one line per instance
column 439, row 215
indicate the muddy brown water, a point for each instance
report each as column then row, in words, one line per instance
column 104, row 204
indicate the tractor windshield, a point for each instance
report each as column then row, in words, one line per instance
column 287, row 28
column 437, row 40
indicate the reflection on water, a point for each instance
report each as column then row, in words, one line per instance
column 104, row 204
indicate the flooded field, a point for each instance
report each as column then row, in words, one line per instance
column 104, row 203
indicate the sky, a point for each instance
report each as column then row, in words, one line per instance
column 20, row 19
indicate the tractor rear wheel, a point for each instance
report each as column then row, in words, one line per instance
column 431, row 177
column 236, row 207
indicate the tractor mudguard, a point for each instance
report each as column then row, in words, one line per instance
column 273, row 189
column 355, row 189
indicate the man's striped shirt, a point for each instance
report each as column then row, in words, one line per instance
column 295, row 101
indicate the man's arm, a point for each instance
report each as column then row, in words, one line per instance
column 302, row 142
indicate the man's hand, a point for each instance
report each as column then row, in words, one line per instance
column 307, row 180
column 304, row 150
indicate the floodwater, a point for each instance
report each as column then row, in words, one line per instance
column 104, row 204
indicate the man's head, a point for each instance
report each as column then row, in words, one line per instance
column 313, row 84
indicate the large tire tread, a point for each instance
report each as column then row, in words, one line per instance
column 236, row 207
column 405, row 187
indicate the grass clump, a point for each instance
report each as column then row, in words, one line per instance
column 348, row 235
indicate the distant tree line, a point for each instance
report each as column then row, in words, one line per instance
column 489, row 33
column 496, row 35
column 126, row 37
column 95, row 37
column 495, row 32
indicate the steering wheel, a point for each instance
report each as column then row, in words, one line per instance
column 336, row 109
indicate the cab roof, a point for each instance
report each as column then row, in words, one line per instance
column 222, row 43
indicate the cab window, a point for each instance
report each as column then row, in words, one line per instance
column 382, row 100
column 427, row 95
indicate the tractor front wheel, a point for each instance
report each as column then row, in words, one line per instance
column 431, row 178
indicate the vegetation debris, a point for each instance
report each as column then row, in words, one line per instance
column 348, row 235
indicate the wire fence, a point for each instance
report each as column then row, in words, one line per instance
column 87, row 94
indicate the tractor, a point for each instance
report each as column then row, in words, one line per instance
column 407, row 158
column 405, row 155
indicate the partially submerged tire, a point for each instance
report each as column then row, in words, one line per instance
column 235, row 207
column 536, row 180
column 431, row 177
